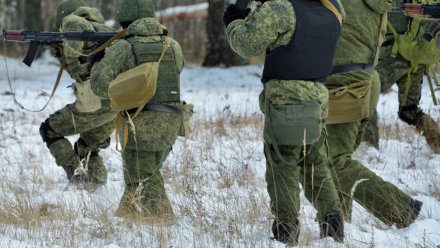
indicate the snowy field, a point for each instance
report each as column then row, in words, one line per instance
column 215, row 179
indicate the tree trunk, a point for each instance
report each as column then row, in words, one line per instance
column 218, row 50
column 2, row 13
column 32, row 14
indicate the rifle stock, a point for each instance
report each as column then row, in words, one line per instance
column 38, row 38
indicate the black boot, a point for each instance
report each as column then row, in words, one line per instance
column 332, row 226
column 286, row 232
column 413, row 212
column 70, row 170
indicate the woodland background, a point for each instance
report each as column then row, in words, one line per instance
column 196, row 24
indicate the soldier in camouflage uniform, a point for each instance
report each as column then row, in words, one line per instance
column 156, row 127
column 354, row 91
column 293, row 91
column 88, row 116
column 394, row 69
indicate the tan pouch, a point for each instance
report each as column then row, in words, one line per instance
column 86, row 100
column 186, row 114
column 136, row 86
column 349, row 103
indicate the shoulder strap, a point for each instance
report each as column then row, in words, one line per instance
column 330, row 6
column 120, row 118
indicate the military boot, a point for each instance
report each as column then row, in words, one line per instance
column 332, row 226
column 96, row 171
column 413, row 115
column 409, row 217
column 431, row 131
column 286, row 232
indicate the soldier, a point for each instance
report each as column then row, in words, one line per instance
column 156, row 127
column 394, row 68
column 354, row 91
column 88, row 116
column 295, row 104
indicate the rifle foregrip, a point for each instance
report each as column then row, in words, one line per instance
column 14, row 35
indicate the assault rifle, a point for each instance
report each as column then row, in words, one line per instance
column 37, row 39
column 429, row 12
column 425, row 11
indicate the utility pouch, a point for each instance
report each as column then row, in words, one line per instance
column 136, row 86
column 86, row 100
column 295, row 124
column 186, row 114
column 349, row 103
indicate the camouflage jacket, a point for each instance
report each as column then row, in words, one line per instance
column 361, row 36
column 84, row 18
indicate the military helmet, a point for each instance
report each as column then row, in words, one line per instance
column 130, row 10
column 66, row 8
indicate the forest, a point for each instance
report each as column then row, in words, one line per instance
column 195, row 24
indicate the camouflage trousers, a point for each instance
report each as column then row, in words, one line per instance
column 311, row 171
column 306, row 165
column 94, row 131
column 146, row 150
column 356, row 182
column 144, row 195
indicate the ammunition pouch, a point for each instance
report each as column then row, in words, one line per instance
column 86, row 100
column 186, row 114
column 349, row 103
column 294, row 124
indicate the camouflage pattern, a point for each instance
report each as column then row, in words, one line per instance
column 131, row 10
column 84, row 18
column 154, row 132
column 381, row 198
column 66, row 8
column 270, row 26
column 94, row 128
column 395, row 70
column 261, row 29
column 144, row 195
column 361, row 42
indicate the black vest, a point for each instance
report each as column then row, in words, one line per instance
column 309, row 55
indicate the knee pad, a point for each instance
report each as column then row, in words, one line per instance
column 46, row 132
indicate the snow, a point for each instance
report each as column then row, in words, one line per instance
column 215, row 179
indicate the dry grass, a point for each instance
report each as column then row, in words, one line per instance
column 215, row 181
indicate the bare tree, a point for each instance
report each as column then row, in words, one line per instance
column 218, row 50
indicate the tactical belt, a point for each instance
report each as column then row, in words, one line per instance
column 157, row 107
column 350, row 68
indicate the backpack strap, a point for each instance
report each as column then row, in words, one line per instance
column 330, row 6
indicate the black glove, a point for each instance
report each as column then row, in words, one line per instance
column 233, row 13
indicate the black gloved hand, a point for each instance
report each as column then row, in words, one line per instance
column 233, row 13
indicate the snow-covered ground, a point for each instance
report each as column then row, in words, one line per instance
column 215, row 179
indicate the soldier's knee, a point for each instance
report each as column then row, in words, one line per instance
column 48, row 134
